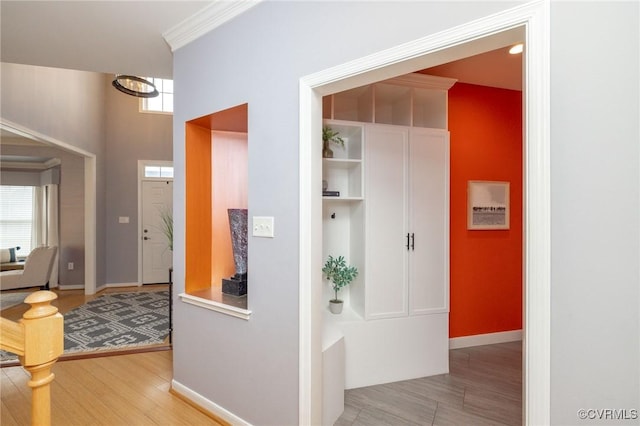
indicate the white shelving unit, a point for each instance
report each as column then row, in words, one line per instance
column 344, row 176
column 393, row 179
column 414, row 100
column 343, row 215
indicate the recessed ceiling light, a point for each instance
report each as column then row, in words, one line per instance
column 516, row 49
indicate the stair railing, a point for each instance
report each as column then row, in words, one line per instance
column 38, row 341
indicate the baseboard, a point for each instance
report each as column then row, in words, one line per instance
column 485, row 339
column 116, row 285
column 206, row 405
column 71, row 287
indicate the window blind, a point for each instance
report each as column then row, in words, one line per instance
column 16, row 217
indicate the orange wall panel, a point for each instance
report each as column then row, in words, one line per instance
column 229, row 182
column 198, row 208
column 486, row 266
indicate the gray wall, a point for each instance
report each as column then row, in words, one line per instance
column 71, row 204
column 68, row 106
column 595, row 208
column 130, row 136
column 251, row 367
column 83, row 110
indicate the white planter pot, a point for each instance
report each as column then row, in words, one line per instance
column 335, row 306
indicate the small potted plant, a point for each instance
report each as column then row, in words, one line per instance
column 329, row 135
column 340, row 275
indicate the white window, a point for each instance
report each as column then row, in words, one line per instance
column 16, row 217
column 158, row 171
column 163, row 103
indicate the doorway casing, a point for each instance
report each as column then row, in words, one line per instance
column 466, row 40
column 89, row 196
column 141, row 178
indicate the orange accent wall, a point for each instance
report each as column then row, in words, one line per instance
column 229, row 181
column 198, row 208
column 486, row 266
column 216, row 180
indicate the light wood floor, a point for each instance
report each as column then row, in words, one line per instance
column 483, row 387
column 117, row 390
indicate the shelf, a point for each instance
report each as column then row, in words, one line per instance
column 341, row 162
column 392, row 104
column 343, row 198
column 355, row 104
column 344, row 176
column 416, row 100
column 217, row 306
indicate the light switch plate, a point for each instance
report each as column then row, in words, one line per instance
column 263, row 226
column 123, row 219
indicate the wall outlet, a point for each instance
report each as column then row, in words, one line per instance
column 70, row 266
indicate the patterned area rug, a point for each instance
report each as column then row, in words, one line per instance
column 115, row 321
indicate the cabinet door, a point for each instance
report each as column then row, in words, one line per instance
column 385, row 221
column 429, row 221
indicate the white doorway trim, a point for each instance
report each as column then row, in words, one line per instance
column 89, row 196
column 141, row 178
column 433, row 50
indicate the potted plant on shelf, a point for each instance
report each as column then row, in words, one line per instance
column 340, row 275
column 329, row 135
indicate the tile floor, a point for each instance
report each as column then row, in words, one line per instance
column 483, row 387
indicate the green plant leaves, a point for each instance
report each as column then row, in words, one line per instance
column 337, row 271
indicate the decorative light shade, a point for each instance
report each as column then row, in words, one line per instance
column 135, row 86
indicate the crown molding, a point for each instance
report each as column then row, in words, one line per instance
column 207, row 19
column 29, row 165
column 20, row 141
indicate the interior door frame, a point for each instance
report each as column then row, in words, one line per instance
column 90, row 220
column 455, row 43
column 141, row 178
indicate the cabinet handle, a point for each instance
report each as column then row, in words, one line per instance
column 407, row 241
column 413, row 241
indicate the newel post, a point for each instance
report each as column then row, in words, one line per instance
column 43, row 344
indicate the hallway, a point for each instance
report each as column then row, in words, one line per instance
column 484, row 387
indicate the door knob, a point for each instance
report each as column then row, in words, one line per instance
column 146, row 238
column 145, row 231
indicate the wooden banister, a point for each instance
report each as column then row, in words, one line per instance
column 38, row 341
column 12, row 336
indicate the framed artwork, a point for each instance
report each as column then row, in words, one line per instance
column 487, row 205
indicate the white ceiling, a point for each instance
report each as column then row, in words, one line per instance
column 126, row 37
column 118, row 37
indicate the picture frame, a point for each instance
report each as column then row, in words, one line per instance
column 488, row 205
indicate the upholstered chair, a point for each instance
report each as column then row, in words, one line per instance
column 36, row 272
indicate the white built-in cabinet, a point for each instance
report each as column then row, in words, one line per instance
column 406, row 221
column 391, row 221
column 391, row 218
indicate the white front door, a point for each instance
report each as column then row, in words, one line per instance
column 157, row 258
